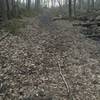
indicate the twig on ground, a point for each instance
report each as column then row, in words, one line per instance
column 4, row 37
column 63, row 78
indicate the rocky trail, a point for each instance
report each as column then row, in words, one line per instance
column 41, row 59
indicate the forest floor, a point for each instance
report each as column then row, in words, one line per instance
column 36, row 59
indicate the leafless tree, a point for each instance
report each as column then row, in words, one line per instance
column 70, row 8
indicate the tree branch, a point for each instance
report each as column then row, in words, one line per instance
column 4, row 37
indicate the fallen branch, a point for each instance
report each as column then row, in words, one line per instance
column 4, row 37
column 89, row 24
column 59, row 18
column 62, row 76
column 90, row 36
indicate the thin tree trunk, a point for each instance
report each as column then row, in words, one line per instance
column 8, row 9
column 3, row 12
column 88, row 4
column 37, row 4
column 92, row 4
column 74, row 7
column 70, row 8
column 80, row 4
column 28, row 5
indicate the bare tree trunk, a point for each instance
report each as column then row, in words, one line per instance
column 47, row 3
column 37, row 4
column 13, row 8
column 28, row 4
column 60, row 5
column 88, row 4
column 8, row 9
column 97, row 3
column 74, row 7
column 80, row 4
column 93, row 4
column 66, row 1
column 3, row 12
column 52, row 3
column 70, row 8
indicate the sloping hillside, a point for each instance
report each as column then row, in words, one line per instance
column 49, row 61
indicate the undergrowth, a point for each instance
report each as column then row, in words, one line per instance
column 13, row 25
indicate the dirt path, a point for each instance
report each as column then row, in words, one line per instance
column 29, row 63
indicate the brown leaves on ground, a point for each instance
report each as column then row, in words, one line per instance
column 28, row 63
